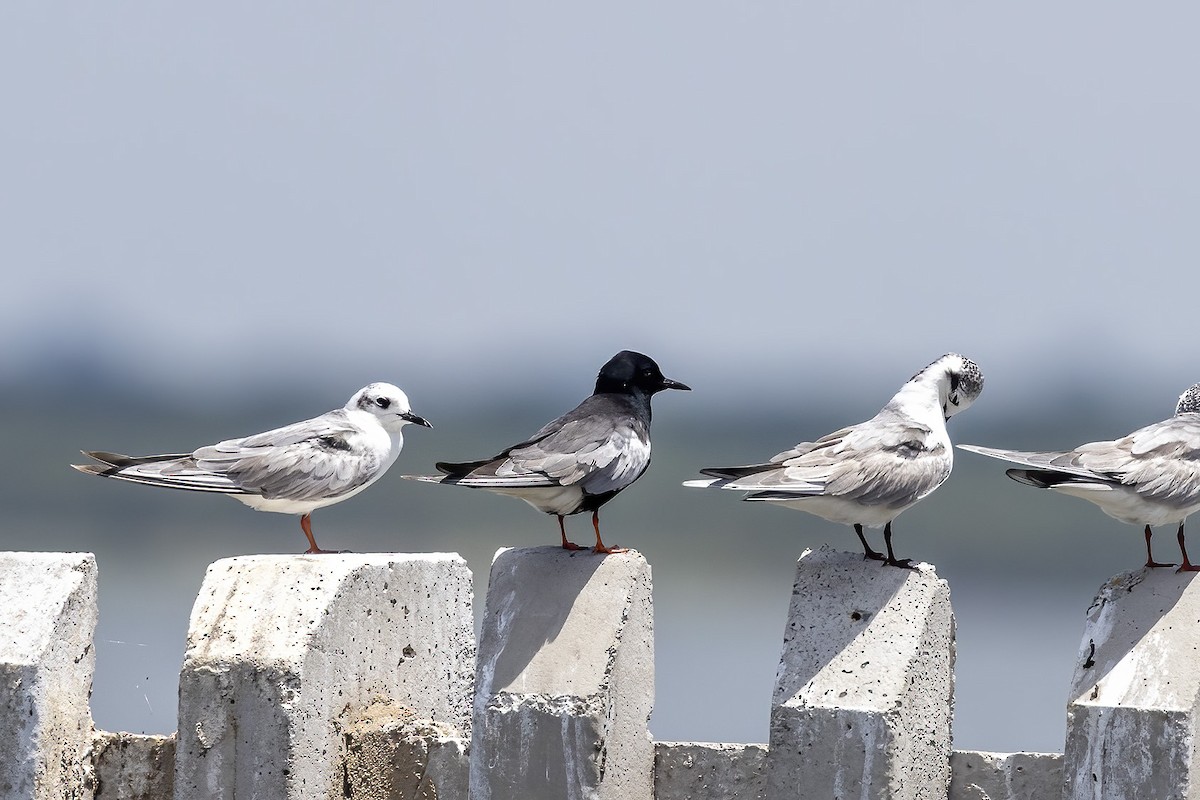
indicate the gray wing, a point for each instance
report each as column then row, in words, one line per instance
column 310, row 460
column 600, row 452
column 1161, row 462
column 1053, row 460
column 601, row 456
column 890, row 463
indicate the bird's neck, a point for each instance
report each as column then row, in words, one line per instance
column 634, row 399
column 921, row 400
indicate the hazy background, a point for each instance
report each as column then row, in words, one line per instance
column 221, row 218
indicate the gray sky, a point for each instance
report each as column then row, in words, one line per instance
column 726, row 186
column 779, row 201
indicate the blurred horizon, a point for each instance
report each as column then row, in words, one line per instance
column 1022, row 565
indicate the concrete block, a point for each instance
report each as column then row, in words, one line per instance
column 1005, row 776
column 393, row 755
column 46, row 667
column 704, row 771
column 130, row 766
column 1132, row 713
column 565, row 678
column 284, row 651
column 865, row 687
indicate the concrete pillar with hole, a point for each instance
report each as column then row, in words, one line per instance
column 865, row 686
column 295, row 665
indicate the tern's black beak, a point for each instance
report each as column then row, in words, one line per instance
column 667, row 383
column 414, row 419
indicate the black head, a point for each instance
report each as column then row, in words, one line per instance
column 628, row 373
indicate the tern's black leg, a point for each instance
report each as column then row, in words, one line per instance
column 874, row 555
column 891, row 560
column 1186, row 566
column 562, row 529
column 1150, row 562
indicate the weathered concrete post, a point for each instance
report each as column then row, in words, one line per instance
column 1135, row 696
column 1005, row 776
column 565, row 678
column 865, row 687
column 286, row 653
column 709, row 771
column 46, row 667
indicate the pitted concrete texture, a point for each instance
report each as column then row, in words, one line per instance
column 706, row 771
column 46, row 667
column 392, row 755
column 865, row 686
column 1005, row 776
column 132, row 766
column 284, row 651
column 1132, row 714
column 565, row 678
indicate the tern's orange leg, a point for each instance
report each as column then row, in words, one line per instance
column 306, row 526
column 600, row 548
column 1150, row 562
column 1186, row 566
column 563, row 530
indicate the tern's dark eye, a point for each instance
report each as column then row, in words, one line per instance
column 382, row 402
column 955, row 380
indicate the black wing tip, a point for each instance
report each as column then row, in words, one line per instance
column 733, row 473
column 769, row 495
column 105, row 457
column 461, row 469
column 1038, row 478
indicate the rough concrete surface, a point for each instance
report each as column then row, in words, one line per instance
column 1005, row 776
column 132, row 766
column 46, row 667
column 1131, row 719
column 283, row 652
column 706, row 771
column 565, row 678
column 393, row 755
column 865, row 687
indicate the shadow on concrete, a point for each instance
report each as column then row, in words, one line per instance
column 849, row 593
column 1130, row 606
column 534, row 591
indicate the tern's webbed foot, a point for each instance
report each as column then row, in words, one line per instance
column 903, row 563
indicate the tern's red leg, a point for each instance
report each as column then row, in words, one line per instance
column 306, row 526
column 1186, row 566
column 563, row 530
column 891, row 560
column 1150, row 562
column 874, row 555
column 600, row 548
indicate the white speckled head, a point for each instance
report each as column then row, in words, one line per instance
column 959, row 379
column 388, row 403
column 1189, row 401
